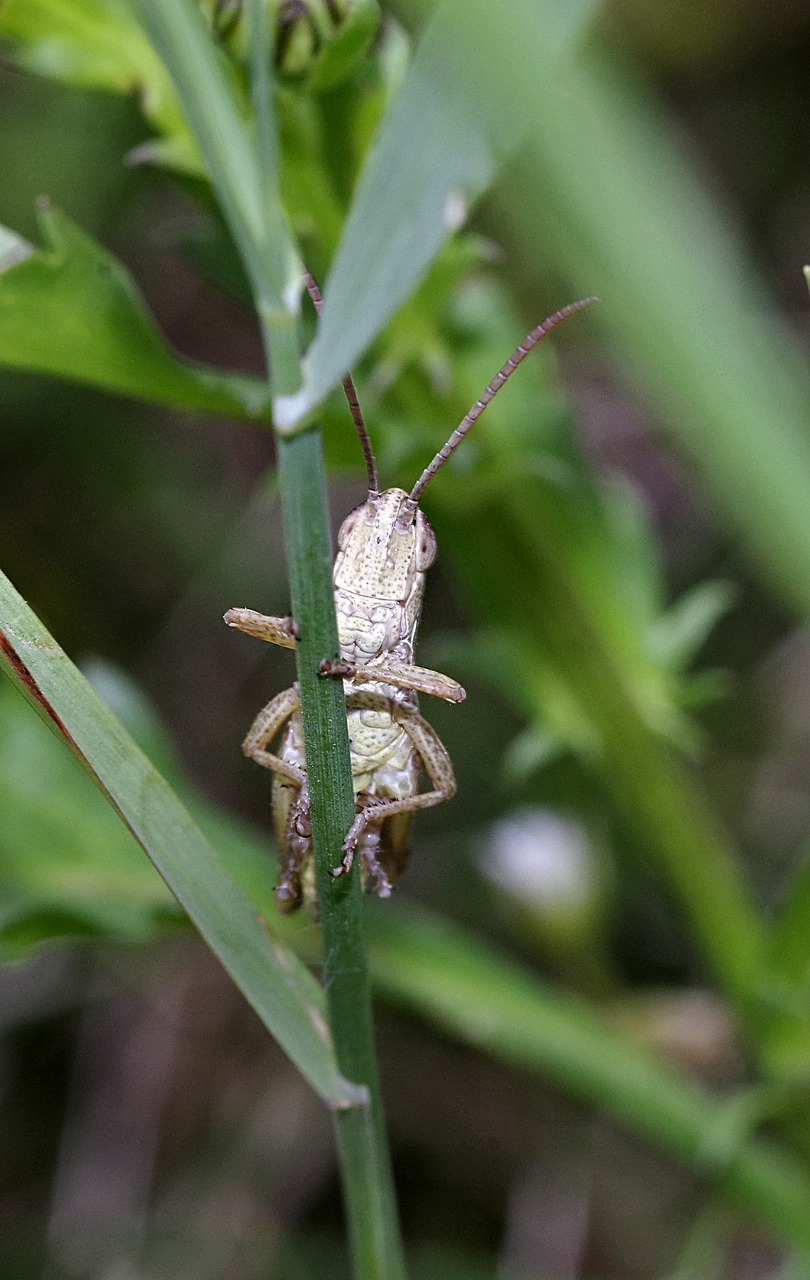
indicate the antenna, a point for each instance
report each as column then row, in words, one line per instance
column 536, row 335
column 351, row 395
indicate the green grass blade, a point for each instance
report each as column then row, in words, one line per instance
column 71, row 309
column 275, row 277
column 436, row 970
column 437, row 150
column 278, row 986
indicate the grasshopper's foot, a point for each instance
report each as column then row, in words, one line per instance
column 344, row 868
column 377, row 876
column 336, row 667
column 348, row 845
column 368, row 848
column 289, row 892
column 288, row 895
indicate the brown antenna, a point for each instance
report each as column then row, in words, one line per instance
column 351, row 395
column 494, row 387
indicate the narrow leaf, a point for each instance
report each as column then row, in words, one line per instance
column 278, row 986
column 437, row 150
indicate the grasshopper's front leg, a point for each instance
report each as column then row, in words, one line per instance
column 401, row 675
column 280, row 631
column 433, row 755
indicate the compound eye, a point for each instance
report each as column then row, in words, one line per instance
column 347, row 528
column 425, row 544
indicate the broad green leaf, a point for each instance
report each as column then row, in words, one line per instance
column 278, row 986
column 434, row 969
column 437, row 150
column 72, row 310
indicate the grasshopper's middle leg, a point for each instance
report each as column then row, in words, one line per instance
column 291, row 794
column 437, row 764
column 266, row 727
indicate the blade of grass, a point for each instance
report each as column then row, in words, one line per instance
column 364, row 1154
column 272, row 979
column 362, row 1142
column 437, row 150
column 433, row 968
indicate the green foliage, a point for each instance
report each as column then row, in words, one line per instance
column 451, row 100
column 427, row 965
column 607, row 196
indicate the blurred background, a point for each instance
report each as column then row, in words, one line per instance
column 151, row 1129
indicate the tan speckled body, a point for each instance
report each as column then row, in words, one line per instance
column 384, row 551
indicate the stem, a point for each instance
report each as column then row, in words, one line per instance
column 365, row 1163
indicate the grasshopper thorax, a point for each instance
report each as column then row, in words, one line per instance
column 384, row 545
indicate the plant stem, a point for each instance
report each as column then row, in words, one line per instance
column 364, row 1157
column 365, row 1162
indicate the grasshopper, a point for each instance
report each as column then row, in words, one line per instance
column 385, row 548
